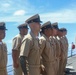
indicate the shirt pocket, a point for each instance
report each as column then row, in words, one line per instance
column 35, row 54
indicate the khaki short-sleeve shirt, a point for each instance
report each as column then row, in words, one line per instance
column 58, row 51
column 30, row 48
column 46, row 49
column 62, row 47
column 66, row 42
column 16, row 43
column 52, row 40
column 66, row 45
column 3, row 55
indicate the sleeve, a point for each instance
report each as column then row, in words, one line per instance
column 5, row 47
column 62, row 49
column 16, row 43
column 66, row 42
column 58, row 47
column 5, row 53
column 25, row 48
column 42, row 45
column 24, row 64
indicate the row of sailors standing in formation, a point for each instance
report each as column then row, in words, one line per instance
column 46, row 55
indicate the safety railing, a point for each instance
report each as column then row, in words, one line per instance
column 71, row 52
column 10, row 66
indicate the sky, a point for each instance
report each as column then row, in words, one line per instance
column 15, row 12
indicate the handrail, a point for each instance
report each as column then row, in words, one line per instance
column 9, row 65
column 10, row 71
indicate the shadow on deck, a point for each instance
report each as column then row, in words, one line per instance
column 71, row 73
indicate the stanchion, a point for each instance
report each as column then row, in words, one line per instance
column 71, row 52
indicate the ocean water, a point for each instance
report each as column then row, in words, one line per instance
column 10, row 68
column 9, row 65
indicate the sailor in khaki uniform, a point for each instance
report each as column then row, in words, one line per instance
column 3, row 50
column 52, row 40
column 63, row 52
column 46, row 48
column 56, row 45
column 64, row 35
column 30, row 54
column 66, row 46
column 16, row 43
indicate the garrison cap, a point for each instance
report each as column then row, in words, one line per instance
column 55, row 25
column 61, row 30
column 24, row 25
column 64, row 29
column 2, row 26
column 46, row 25
column 35, row 18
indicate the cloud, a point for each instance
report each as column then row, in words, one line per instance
column 6, row 5
column 63, row 16
column 10, row 7
column 13, row 19
column 19, row 13
column 23, row 9
column 8, row 41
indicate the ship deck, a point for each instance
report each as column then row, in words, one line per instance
column 71, row 65
column 70, row 68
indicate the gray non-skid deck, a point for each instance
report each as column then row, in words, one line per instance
column 71, row 65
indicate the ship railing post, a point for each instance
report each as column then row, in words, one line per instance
column 71, row 52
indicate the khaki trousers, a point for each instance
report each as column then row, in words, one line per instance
column 18, row 71
column 62, row 66
column 49, row 68
column 65, row 62
column 3, row 72
column 34, row 70
column 57, row 66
